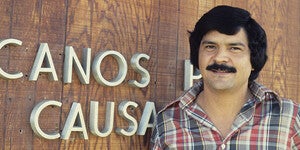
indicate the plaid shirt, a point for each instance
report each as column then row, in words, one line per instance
column 264, row 122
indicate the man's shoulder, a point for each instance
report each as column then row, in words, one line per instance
column 291, row 110
column 263, row 93
column 289, row 102
column 290, row 106
column 170, row 108
column 271, row 99
column 182, row 101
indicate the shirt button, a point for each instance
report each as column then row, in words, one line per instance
column 223, row 146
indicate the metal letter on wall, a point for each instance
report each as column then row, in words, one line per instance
column 189, row 75
column 4, row 74
column 97, row 70
column 34, row 119
column 142, row 71
column 109, row 119
column 122, row 109
column 43, row 54
column 75, row 122
column 148, row 117
column 83, row 71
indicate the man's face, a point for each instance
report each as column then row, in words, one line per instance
column 224, row 60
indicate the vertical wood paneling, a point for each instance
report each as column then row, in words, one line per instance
column 167, row 51
column 280, row 61
column 292, row 53
column 51, row 31
column 222, row 2
column 78, row 35
column 157, row 28
column 266, row 75
column 103, row 38
column 20, row 93
column 5, row 23
column 203, row 7
column 188, row 15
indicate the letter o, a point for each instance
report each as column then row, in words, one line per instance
column 97, row 70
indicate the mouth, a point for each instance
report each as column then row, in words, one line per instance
column 221, row 68
column 220, row 71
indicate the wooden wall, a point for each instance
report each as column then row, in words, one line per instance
column 155, row 27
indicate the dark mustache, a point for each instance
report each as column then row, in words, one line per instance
column 221, row 67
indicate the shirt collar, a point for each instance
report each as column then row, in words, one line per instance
column 260, row 93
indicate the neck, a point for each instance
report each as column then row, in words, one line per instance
column 223, row 101
column 223, row 106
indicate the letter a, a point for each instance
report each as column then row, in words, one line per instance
column 43, row 54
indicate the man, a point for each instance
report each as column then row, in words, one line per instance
column 227, row 109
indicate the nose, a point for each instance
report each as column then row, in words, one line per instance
column 221, row 56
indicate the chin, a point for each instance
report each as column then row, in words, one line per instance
column 222, row 86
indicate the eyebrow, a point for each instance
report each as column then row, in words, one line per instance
column 237, row 44
column 207, row 42
column 230, row 44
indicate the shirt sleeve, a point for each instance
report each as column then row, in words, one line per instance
column 155, row 139
column 295, row 141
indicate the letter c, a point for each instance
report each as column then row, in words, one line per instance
column 4, row 74
column 34, row 119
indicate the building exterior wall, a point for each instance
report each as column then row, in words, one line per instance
column 157, row 28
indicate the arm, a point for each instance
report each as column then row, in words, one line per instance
column 295, row 141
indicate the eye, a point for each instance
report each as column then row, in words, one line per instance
column 210, row 47
column 235, row 49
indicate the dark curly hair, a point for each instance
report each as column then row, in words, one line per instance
column 229, row 20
